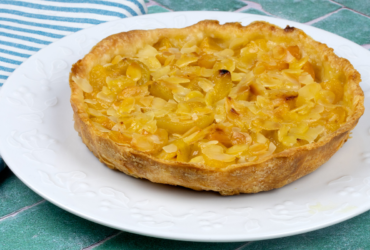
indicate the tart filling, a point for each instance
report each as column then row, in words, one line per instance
column 215, row 99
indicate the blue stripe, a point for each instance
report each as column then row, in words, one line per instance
column 25, row 38
column 141, row 7
column 3, row 77
column 7, row 60
column 55, row 27
column 20, row 46
column 6, row 69
column 54, row 18
column 31, row 31
column 105, row 3
column 14, row 53
column 67, row 9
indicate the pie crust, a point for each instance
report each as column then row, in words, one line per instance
column 273, row 171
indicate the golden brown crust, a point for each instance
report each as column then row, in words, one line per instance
column 272, row 172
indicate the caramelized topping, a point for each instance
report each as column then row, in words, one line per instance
column 212, row 101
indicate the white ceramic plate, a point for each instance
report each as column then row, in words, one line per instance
column 41, row 147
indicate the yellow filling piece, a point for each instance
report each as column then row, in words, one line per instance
column 212, row 102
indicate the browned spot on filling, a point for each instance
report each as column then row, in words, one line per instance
column 290, row 97
column 289, row 29
column 223, row 72
column 232, row 110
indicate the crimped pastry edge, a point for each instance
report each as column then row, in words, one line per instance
column 269, row 173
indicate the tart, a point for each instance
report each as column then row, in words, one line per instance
column 227, row 108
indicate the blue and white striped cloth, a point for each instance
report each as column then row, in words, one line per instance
column 26, row 26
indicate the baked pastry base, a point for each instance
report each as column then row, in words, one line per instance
column 272, row 172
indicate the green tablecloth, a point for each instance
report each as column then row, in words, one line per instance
column 27, row 221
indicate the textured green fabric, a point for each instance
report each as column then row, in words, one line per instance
column 138, row 242
column 14, row 195
column 362, row 6
column 351, row 234
column 254, row 11
column 298, row 10
column 347, row 24
column 156, row 9
column 46, row 226
column 222, row 5
column 2, row 164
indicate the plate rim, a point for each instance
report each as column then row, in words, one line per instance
column 54, row 201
